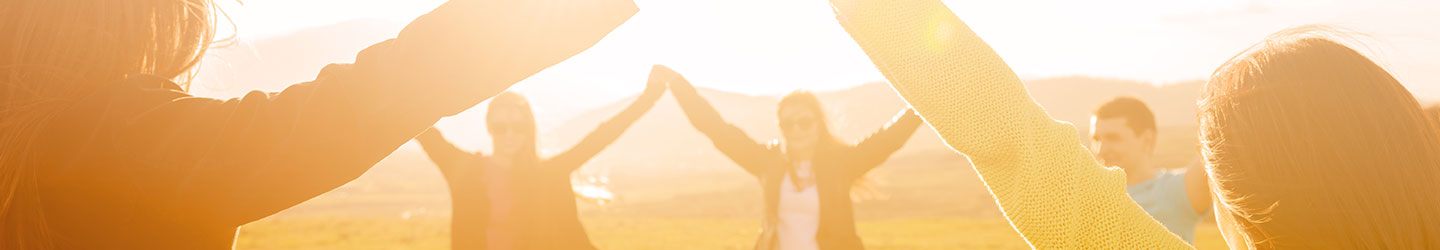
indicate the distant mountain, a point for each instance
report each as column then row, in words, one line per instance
column 662, row 166
column 857, row 112
column 662, row 162
column 272, row 63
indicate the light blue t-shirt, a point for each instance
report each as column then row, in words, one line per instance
column 1164, row 199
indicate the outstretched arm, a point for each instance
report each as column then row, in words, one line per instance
column 1050, row 187
column 728, row 138
column 874, row 150
column 445, row 155
column 611, row 130
column 246, row 158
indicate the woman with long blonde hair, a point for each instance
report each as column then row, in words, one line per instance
column 101, row 147
column 1308, row 143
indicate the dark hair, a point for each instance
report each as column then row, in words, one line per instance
column 809, row 102
column 1136, row 114
column 529, row 153
column 864, row 187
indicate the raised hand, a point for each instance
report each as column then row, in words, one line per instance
column 677, row 81
column 658, row 81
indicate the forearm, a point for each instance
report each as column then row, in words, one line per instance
column 431, row 137
column 936, row 71
column 726, row 137
column 700, row 112
column 274, row 150
column 875, row 149
column 895, row 134
column 604, row 135
column 1046, row 183
column 463, row 52
column 444, row 154
column 620, row 122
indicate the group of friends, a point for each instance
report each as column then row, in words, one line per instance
column 1306, row 142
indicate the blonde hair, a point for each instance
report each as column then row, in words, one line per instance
column 58, row 51
column 1310, row 144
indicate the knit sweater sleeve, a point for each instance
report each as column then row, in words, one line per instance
column 1048, row 185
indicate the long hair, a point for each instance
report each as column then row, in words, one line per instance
column 528, row 155
column 57, row 51
column 1310, row 144
column 863, row 187
column 810, row 103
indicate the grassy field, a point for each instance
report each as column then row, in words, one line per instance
column 931, row 200
column 639, row 234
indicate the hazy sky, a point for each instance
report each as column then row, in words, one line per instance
column 774, row 46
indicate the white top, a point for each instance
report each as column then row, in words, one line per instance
column 799, row 213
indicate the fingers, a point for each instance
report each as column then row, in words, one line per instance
column 661, row 72
column 670, row 75
column 656, row 74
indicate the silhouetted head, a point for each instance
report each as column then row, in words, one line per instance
column 1310, row 144
column 1122, row 133
column 84, row 44
column 511, row 124
column 53, row 52
column 802, row 121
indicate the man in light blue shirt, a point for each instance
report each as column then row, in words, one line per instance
column 1122, row 135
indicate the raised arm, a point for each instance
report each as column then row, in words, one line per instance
column 729, row 139
column 1050, row 187
column 611, row 129
column 445, row 155
column 874, row 150
column 247, row 158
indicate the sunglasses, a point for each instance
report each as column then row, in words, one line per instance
column 798, row 123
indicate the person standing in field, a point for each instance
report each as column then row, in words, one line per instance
column 1123, row 135
column 1308, row 143
column 513, row 198
column 806, row 177
column 102, row 148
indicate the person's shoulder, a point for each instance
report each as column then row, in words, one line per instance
column 1172, row 174
column 149, row 86
column 120, row 102
column 1173, row 178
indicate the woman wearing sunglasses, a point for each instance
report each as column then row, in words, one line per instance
column 807, row 178
column 513, row 198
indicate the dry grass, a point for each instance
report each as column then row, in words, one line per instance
column 639, row 233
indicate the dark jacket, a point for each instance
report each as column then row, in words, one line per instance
column 140, row 164
column 836, row 167
column 542, row 198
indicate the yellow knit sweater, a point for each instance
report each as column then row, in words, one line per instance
column 1047, row 184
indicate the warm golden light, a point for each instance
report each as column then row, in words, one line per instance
column 722, row 124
